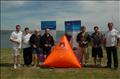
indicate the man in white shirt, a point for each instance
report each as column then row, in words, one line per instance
column 16, row 39
column 27, row 50
column 112, row 38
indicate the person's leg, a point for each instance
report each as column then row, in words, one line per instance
column 100, row 55
column 94, row 55
column 38, row 55
column 25, row 56
column 15, row 61
column 45, row 53
column 95, row 61
column 35, row 60
column 29, row 54
column 82, row 56
column 35, row 57
column 14, row 57
column 18, row 60
column 80, row 53
column 99, row 61
column 48, row 51
column 86, row 55
column 30, row 57
column 115, row 57
column 18, row 56
column 109, row 60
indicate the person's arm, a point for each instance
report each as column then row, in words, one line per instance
column 104, row 40
column 13, row 40
column 77, row 39
column 53, row 42
column 92, row 41
column 32, row 42
column 118, row 38
column 88, row 38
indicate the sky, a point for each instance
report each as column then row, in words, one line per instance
column 31, row 13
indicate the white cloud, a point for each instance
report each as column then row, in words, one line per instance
column 90, row 12
column 13, row 3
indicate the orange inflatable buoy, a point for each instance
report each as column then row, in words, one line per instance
column 62, row 56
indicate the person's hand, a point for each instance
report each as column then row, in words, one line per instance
column 34, row 46
column 85, row 42
column 17, row 42
column 46, row 45
column 49, row 45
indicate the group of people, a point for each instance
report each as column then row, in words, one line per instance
column 35, row 44
column 97, row 40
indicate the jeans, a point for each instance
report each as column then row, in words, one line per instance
column 110, row 51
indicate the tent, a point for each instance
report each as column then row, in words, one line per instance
column 62, row 56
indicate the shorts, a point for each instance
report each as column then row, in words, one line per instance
column 97, row 52
column 16, row 51
column 36, row 51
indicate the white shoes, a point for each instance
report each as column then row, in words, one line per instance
column 19, row 65
column 15, row 66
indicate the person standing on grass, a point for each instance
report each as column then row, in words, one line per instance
column 96, row 40
column 27, row 52
column 112, row 37
column 16, row 39
column 35, row 45
column 83, row 38
column 47, row 42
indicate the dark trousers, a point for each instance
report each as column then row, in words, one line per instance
column 46, row 51
column 110, row 51
column 27, row 55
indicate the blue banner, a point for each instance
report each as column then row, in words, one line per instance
column 72, row 25
column 48, row 24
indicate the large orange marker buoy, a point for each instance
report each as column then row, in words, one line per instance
column 62, row 56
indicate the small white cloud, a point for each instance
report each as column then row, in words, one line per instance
column 13, row 2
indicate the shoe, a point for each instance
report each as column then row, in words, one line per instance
column 99, row 65
column 15, row 66
column 115, row 68
column 34, row 66
column 19, row 65
column 107, row 66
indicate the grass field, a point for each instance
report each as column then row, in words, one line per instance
column 7, row 71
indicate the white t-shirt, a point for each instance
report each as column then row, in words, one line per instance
column 26, row 38
column 111, row 37
column 16, row 36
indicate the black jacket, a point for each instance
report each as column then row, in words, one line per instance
column 47, row 40
column 83, row 40
column 35, row 40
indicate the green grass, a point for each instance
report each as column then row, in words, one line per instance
column 7, row 71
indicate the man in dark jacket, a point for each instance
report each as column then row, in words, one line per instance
column 35, row 44
column 47, row 42
column 83, row 38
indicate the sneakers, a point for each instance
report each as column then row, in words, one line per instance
column 19, row 65
column 15, row 66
